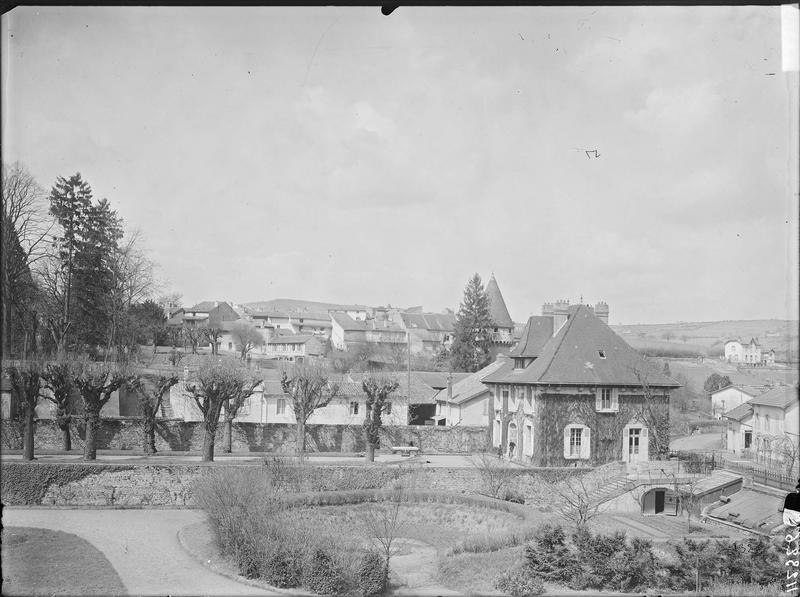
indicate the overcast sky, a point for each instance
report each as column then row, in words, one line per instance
column 339, row 155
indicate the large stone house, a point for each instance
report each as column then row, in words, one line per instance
column 580, row 396
column 730, row 397
column 347, row 332
column 429, row 332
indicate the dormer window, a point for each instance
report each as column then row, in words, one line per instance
column 601, row 353
column 519, row 363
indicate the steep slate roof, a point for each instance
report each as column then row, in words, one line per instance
column 204, row 307
column 780, row 397
column 497, row 306
column 470, row 387
column 572, row 357
column 740, row 413
column 535, row 335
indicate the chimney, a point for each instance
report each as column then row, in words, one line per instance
column 449, row 386
column 601, row 311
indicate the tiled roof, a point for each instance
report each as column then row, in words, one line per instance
column 298, row 339
column 471, row 386
column 312, row 315
column 573, row 357
column 347, row 323
column 497, row 306
column 438, row 379
column 264, row 314
column 745, row 388
column 780, row 396
column 435, row 322
column 751, row 509
column 535, row 335
column 204, row 307
column 740, row 413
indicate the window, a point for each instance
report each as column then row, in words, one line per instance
column 529, row 398
column 354, row 408
column 280, row 407
column 766, row 424
column 504, row 395
column 519, row 363
column 230, row 345
column 575, row 442
column 748, row 439
column 388, row 408
column 606, row 400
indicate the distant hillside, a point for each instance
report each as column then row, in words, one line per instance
column 294, row 305
column 708, row 337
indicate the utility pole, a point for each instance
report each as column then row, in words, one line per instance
column 408, row 369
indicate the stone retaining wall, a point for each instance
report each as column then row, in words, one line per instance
column 182, row 436
column 173, row 485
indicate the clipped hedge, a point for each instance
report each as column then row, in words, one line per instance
column 26, row 483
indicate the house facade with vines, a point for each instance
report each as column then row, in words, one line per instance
column 578, row 395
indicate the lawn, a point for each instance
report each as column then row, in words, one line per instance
column 44, row 562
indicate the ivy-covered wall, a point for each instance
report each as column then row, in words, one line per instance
column 554, row 411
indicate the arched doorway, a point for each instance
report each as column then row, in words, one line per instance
column 513, row 448
column 660, row 500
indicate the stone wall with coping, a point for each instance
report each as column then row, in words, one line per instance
column 126, row 433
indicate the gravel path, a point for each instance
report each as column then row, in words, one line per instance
column 415, row 566
column 142, row 545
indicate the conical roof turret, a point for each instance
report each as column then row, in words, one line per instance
column 497, row 306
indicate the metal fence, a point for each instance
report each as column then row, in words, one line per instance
column 697, row 462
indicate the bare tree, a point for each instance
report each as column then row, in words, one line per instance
column 212, row 334
column 59, row 379
column 496, row 475
column 655, row 413
column 787, row 446
column 383, row 524
column 195, row 335
column 24, row 229
column 25, row 377
column 377, row 389
column 246, row 338
column 151, row 386
column 576, row 497
column 96, row 383
column 234, row 404
column 309, row 388
column 686, row 490
column 217, row 381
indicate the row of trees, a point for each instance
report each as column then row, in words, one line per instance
column 72, row 279
column 219, row 388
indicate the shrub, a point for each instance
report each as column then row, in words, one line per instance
column 519, row 582
column 493, row 542
column 322, row 575
column 548, row 556
column 372, row 578
column 283, row 567
column 599, row 557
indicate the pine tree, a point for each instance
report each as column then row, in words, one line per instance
column 472, row 329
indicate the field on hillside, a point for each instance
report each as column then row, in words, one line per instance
column 709, row 337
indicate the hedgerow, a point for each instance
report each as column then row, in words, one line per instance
column 26, row 483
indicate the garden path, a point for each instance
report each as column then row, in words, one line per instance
column 415, row 567
column 142, row 545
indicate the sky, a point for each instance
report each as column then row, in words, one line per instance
column 643, row 156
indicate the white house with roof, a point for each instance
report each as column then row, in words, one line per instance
column 730, row 397
column 468, row 401
column 751, row 353
column 577, row 396
column 776, row 422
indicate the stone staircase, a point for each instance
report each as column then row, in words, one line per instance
column 616, row 485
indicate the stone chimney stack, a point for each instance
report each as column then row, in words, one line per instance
column 558, row 311
column 601, row 311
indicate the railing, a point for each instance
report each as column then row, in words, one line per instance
column 707, row 462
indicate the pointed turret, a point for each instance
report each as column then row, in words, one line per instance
column 497, row 306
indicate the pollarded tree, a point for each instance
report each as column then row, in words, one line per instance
column 472, row 329
column 59, row 378
column 235, row 403
column 150, row 387
column 378, row 390
column 26, row 380
column 217, row 382
column 96, row 383
column 246, row 337
column 212, row 334
column 309, row 388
